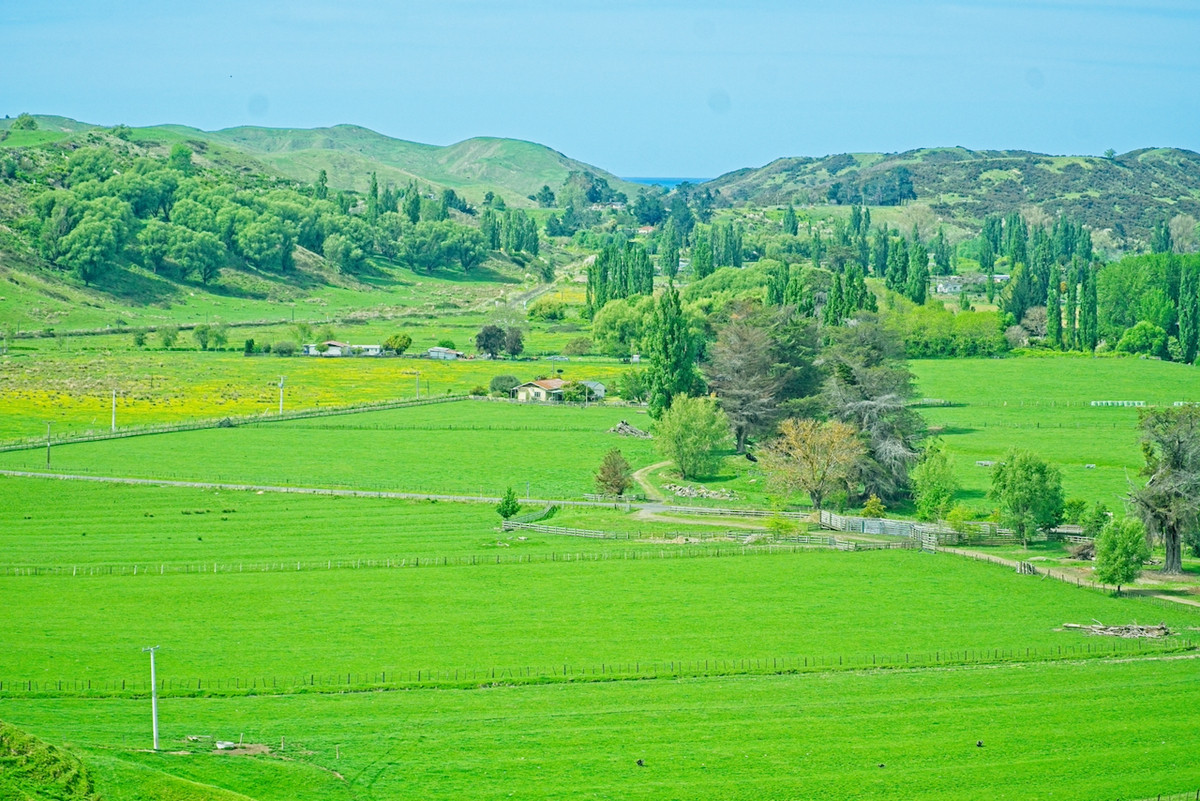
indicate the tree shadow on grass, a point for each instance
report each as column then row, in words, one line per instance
column 136, row 288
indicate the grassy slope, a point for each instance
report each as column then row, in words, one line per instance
column 31, row 769
column 817, row 736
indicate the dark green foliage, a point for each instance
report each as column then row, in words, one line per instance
column 790, row 225
column 1160, row 238
column 509, row 505
column 648, row 208
column 514, row 341
column 24, row 122
column 503, row 384
column 490, row 340
column 1169, row 502
column 544, row 197
column 701, row 257
column 671, row 351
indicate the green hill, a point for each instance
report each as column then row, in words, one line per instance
column 511, row 168
column 1129, row 193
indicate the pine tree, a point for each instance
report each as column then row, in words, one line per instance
column 509, row 505
column 672, row 371
column 790, row 225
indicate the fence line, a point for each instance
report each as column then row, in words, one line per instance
column 31, row 443
column 603, row 671
column 462, row 560
column 719, row 512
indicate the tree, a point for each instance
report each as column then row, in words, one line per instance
column 633, row 386
column 672, row 353
column 503, row 384
column 467, row 246
column 1029, row 492
column 397, row 343
column 321, row 190
column 668, row 259
column 90, row 249
column 199, row 252
column 1121, row 550
column 790, row 226
column 1168, row 504
column 614, row 475
column 167, row 334
column 741, row 372
column 154, row 241
column 490, row 340
column 342, row 252
column 934, row 481
column 1145, row 337
column 201, row 334
column 690, row 432
column 702, row 257
column 412, row 204
column 509, row 505
column 812, row 457
column 24, row 122
column 544, row 197
column 514, row 341
column 180, row 159
column 426, row 246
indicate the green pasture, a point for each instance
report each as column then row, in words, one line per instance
column 1044, row 405
column 1082, row 730
column 285, row 624
column 49, row 523
column 462, row 447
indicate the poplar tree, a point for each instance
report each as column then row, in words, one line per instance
column 1189, row 312
column 373, row 199
column 1089, row 333
column 702, row 257
column 790, row 225
column 672, row 370
column 1054, row 311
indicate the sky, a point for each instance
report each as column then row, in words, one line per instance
column 688, row 88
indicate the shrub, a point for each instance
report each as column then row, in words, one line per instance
column 479, row 390
column 547, row 309
column 397, row 343
column 503, row 384
column 285, row 348
column 578, row 346
column 446, row 343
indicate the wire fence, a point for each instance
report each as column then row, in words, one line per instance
column 451, row 677
column 460, row 560
column 31, row 443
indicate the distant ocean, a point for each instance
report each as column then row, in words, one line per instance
column 669, row 183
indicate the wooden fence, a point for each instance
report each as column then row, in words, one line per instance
column 717, row 512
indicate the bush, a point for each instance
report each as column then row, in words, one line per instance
column 285, row 348
column 398, row 343
column 446, row 343
column 479, row 390
column 503, row 384
column 547, row 309
column 578, row 346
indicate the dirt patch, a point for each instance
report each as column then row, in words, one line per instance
column 247, row 749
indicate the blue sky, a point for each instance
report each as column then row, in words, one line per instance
column 658, row 87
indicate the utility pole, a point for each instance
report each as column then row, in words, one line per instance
column 281, row 394
column 47, row 445
column 153, row 693
column 418, row 385
column 114, row 411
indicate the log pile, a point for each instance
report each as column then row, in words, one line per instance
column 1132, row 631
column 625, row 430
column 700, row 492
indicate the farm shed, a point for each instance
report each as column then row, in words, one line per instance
column 446, row 354
column 335, row 348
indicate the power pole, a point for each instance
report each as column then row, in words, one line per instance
column 47, row 445
column 114, row 411
column 281, row 394
column 153, row 694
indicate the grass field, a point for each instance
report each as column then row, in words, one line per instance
column 467, row 447
column 48, row 522
column 1088, row 731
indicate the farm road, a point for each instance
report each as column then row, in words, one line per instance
column 650, row 507
column 1062, row 575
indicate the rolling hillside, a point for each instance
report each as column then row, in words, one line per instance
column 349, row 154
column 1129, row 193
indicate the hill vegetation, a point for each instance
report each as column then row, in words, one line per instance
column 32, row 769
column 1128, row 193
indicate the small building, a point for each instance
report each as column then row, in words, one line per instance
column 949, row 285
column 330, row 347
column 546, row 389
column 445, row 354
column 595, row 389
